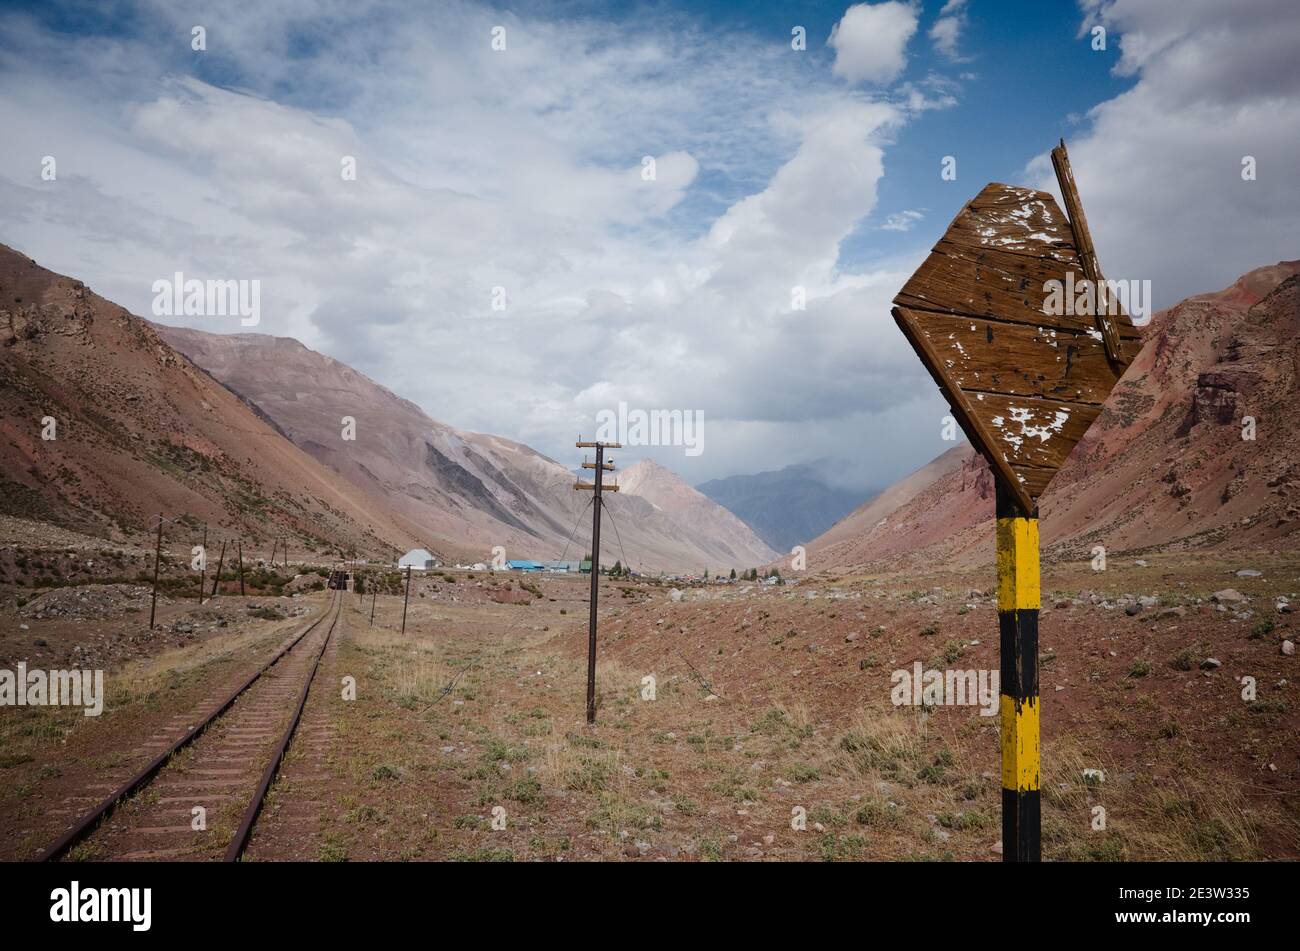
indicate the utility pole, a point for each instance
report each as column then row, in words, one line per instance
column 374, row 596
column 157, row 557
column 600, row 466
column 274, row 545
column 203, row 564
column 216, row 579
column 407, row 599
column 240, row 543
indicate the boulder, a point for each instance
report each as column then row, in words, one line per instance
column 1227, row 595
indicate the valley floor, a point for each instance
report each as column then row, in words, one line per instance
column 770, row 704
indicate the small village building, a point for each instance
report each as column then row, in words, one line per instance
column 419, row 559
column 524, row 564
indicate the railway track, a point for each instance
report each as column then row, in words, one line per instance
column 216, row 774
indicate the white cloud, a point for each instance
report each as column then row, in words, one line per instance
column 476, row 170
column 947, row 29
column 1159, row 166
column 901, row 220
column 870, row 41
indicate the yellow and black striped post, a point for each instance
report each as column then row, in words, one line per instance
column 1018, row 603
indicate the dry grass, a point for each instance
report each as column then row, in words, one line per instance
column 890, row 745
column 1191, row 818
column 409, row 668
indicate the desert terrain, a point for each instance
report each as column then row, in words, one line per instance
column 466, row 739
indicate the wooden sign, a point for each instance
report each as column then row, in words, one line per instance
column 1013, row 319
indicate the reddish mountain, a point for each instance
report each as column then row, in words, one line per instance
column 467, row 491
column 1164, row 466
column 138, row 429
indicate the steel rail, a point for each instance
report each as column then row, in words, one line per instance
column 237, row 845
column 90, row 821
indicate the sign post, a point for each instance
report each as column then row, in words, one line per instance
column 1018, row 603
column 1026, row 364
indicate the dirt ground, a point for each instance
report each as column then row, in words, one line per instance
column 767, row 731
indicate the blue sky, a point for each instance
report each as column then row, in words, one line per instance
column 521, row 169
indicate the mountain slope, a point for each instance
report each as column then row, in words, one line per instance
column 139, row 429
column 1165, row 465
column 727, row 541
column 468, row 491
column 786, row 507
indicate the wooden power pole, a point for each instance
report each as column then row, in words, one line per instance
column 157, row 558
column 203, row 563
column 600, row 467
column 407, row 599
column 216, row 579
column 240, row 544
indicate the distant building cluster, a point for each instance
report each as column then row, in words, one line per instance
column 554, row 567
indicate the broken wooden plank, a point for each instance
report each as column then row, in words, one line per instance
column 954, row 279
column 1018, row 359
column 1030, row 432
column 971, row 423
column 1106, row 323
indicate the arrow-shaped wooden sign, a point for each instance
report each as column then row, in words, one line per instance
column 1012, row 317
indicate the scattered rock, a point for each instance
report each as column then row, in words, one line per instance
column 1227, row 595
column 1288, row 648
column 1211, row 663
column 90, row 601
column 1249, row 573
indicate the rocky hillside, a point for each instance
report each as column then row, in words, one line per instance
column 103, row 425
column 731, row 543
column 467, row 491
column 1168, row 465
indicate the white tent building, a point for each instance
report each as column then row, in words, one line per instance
column 419, row 559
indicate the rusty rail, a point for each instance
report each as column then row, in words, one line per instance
column 236, row 847
column 90, row 821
